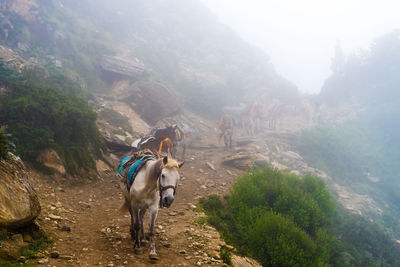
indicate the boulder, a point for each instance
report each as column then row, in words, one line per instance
column 19, row 201
column 245, row 160
column 102, row 166
column 238, row 261
column 122, row 66
column 12, row 59
column 50, row 159
column 155, row 101
column 244, row 141
column 12, row 249
column 149, row 99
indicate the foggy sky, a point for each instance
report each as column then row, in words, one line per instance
column 300, row 35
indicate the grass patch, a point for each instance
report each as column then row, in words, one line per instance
column 226, row 255
column 201, row 221
column 37, row 245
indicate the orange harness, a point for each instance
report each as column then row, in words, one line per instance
column 168, row 142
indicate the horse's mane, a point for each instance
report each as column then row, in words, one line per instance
column 171, row 164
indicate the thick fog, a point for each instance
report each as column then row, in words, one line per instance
column 300, row 36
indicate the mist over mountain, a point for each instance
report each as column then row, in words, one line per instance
column 368, row 77
column 79, row 78
column 180, row 43
column 362, row 151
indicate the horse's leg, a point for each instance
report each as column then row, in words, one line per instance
column 132, row 223
column 137, row 231
column 172, row 151
column 183, row 150
column 225, row 142
column 176, row 149
column 230, row 140
column 153, row 215
column 141, row 215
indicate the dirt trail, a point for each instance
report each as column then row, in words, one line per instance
column 90, row 230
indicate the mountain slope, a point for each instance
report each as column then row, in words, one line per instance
column 181, row 43
column 362, row 152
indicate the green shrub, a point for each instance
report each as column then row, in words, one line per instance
column 3, row 145
column 226, row 255
column 277, row 241
column 41, row 117
column 282, row 220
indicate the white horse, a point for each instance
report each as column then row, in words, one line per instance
column 154, row 187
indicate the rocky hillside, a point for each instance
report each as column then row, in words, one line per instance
column 155, row 45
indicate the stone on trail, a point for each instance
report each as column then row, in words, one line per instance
column 54, row 217
column 65, row 228
column 54, row 254
column 50, row 159
column 27, row 237
column 43, row 261
column 244, row 141
column 210, row 166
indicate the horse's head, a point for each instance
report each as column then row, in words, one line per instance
column 169, row 178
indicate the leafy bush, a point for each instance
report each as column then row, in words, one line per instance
column 278, row 219
column 3, row 145
column 40, row 117
column 282, row 220
column 226, row 255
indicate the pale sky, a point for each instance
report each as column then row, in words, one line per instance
column 300, row 35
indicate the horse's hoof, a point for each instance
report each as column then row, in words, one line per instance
column 147, row 237
column 154, row 257
column 138, row 251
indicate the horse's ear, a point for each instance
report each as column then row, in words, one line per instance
column 165, row 160
column 180, row 164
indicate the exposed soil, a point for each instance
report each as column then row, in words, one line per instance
column 99, row 233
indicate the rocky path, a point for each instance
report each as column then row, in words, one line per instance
column 88, row 229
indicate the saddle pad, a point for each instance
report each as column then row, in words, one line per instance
column 135, row 167
column 121, row 165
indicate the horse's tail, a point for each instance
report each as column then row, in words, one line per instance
column 124, row 208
